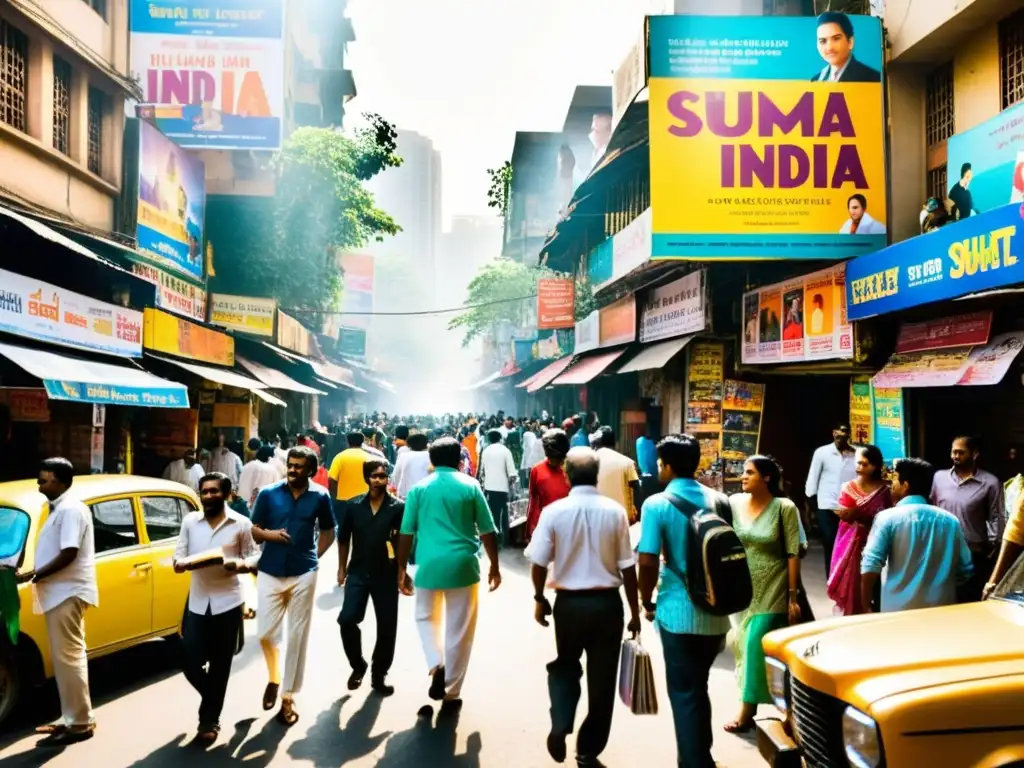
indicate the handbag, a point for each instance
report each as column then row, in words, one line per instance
column 636, row 679
column 806, row 612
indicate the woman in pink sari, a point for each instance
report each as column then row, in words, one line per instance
column 859, row 501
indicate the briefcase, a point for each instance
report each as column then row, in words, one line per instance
column 636, row 679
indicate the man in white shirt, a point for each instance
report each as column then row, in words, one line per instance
column 413, row 465
column 223, row 459
column 65, row 585
column 586, row 536
column 215, row 597
column 257, row 474
column 185, row 470
column 617, row 478
column 533, row 452
column 832, row 466
column 497, row 474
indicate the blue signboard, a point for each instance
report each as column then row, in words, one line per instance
column 171, row 396
column 986, row 163
column 975, row 254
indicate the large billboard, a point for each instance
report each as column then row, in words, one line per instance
column 172, row 203
column 213, row 70
column 767, row 137
column 986, row 164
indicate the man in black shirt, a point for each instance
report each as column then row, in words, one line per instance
column 370, row 527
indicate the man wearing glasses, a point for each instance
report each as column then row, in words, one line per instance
column 368, row 528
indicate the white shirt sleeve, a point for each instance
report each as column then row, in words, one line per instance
column 510, row 464
column 181, row 549
column 813, row 476
column 541, row 551
column 623, row 547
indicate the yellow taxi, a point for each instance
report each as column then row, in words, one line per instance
column 135, row 523
column 939, row 688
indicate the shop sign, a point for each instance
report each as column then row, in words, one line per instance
column 41, row 311
column 588, row 332
column 292, row 335
column 174, row 294
column 212, row 71
column 617, row 322
column 245, row 314
column 631, row 246
column 357, row 296
column 705, row 385
column 742, row 406
column 26, row 405
column 888, row 416
column 675, row 309
column 353, row 342
column 972, row 255
column 555, row 303
column 178, row 337
column 960, row 331
column 751, row 156
column 172, row 203
column 961, row 366
column 171, row 396
column 799, row 320
column 860, row 410
column 995, row 151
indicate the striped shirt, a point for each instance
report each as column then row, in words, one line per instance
column 664, row 529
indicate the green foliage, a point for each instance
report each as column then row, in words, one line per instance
column 500, row 187
column 320, row 208
column 491, row 298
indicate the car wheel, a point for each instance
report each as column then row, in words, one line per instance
column 10, row 684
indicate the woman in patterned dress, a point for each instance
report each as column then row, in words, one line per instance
column 768, row 525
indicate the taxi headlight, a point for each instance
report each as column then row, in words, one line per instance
column 861, row 740
column 778, row 677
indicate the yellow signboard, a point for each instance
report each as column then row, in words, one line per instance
column 172, row 335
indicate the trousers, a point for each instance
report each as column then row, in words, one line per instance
column 688, row 660
column 291, row 596
column 497, row 502
column 451, row 643
column 210, row 639
column 384, row 594
column 65, row 625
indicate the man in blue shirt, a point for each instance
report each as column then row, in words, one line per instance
column 690, row 637
column 924, row 546
column 285, row 519
column 647, row 460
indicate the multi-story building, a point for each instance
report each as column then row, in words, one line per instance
column 470, row 243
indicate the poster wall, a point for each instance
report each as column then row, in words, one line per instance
column 705, row 389
column 172, row 203
column 791, row 160
column 742, row 407
column 211, row 71
column 798, row 320
column 986, row 163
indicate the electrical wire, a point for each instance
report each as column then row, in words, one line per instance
column 294, row 310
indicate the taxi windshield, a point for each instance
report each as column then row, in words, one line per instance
column 14, row 525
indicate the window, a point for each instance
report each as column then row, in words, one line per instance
column 100, row 6
column 939, row 116
column 162, row 516
column 1011, row 58
column 113, row 525
column 97, row 110
column 61, row 105
column 13, row 76
column 14, row 524
column 937, row 187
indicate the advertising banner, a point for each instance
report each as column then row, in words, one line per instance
column 37, row 310
column 245, row 314
column 799, row 320
column 353, row 342
column 172, row 203
column 631, row 246
column 976, row 254
column 960, row 366
column 986, row 163
column 176, row 336
column 965, row 330
column 617, row 322
column 175, row 294
column 29, row 405
column 675, row 309
column 767, row 137
column 861, row 432
column 357, row 294
column 588, row 333
column 292, row 335
column 212, row 71
column 889, row 424
column 742, row 406
column 705, row 384
column 555, row 304
column 988, row 365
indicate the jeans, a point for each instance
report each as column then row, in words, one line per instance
column 210, row 639
column 497, row 501
column 592, row 623
column 688, row 660
column 384, row 593
column 828, row 527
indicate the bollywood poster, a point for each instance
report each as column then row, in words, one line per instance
column 986, row 164
column 861, row 427
column 889, row 424
column 800, row 320
column 211, row 71
column 781, row 120
column 742, row 407
column 705, row 385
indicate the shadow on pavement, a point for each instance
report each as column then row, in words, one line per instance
column 327, row 745
column 329, row 600
column 433, row 744
column 257, row 752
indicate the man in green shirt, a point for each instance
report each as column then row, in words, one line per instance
column 449, row 516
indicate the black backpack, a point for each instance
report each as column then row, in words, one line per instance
column 717, row 575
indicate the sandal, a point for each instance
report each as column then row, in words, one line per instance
column 51, row 729
column 270, row 696
column 737, row 726
column 287, row 715
column 207, row 734
column 69, row 736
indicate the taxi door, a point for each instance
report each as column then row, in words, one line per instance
column 124, row 575
column 162, row 514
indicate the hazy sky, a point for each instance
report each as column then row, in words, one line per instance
column 470, row 73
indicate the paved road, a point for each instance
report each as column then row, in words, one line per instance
column 146, row 710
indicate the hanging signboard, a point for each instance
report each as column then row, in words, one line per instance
column 555, row 304
column 799, row 320
column 705, row 375
column 959, row 331
column 617, row 322
column 174, row 294
column 675, row 309
column 588, row 333
column 246, row 314
column 37, row 310
column 176, row 336
column 982, row 365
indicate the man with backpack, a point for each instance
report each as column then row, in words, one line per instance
column 704, row 580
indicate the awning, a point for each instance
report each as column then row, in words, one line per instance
column 545, row 376
column 217, row 375
column 274, row 379
column 85, row 381
column 983, row 365
column 482, row 383
column 269, row 398
column 588, row 368
column 334, row 373
column 49, row 233
column 655, row 356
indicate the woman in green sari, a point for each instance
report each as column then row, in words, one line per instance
column 768, row 525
